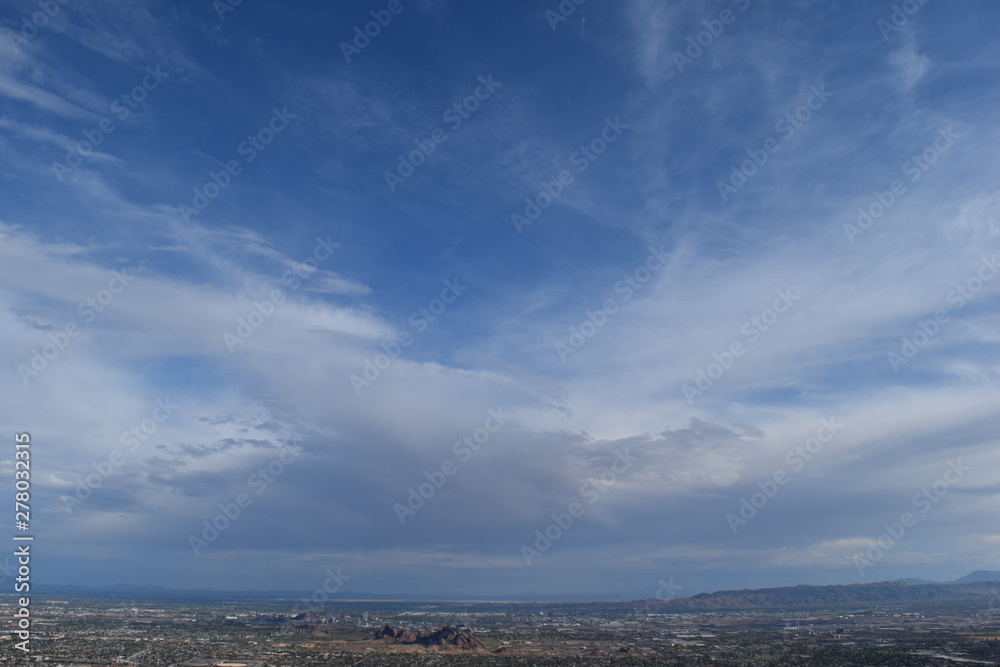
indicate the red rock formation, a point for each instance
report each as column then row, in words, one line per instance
column 446, row 636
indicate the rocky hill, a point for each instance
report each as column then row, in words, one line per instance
column 446, row 636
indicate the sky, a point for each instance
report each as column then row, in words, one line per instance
column 518, row 300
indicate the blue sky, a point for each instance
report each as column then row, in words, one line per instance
column 736, row 259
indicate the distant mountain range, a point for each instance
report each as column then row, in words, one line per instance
column 981, row 584
column 978, row 575
column 975, row 584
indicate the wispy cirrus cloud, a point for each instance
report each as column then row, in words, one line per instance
column 774, row 309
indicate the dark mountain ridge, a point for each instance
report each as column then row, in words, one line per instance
column 805, row 595
column 978, row 575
